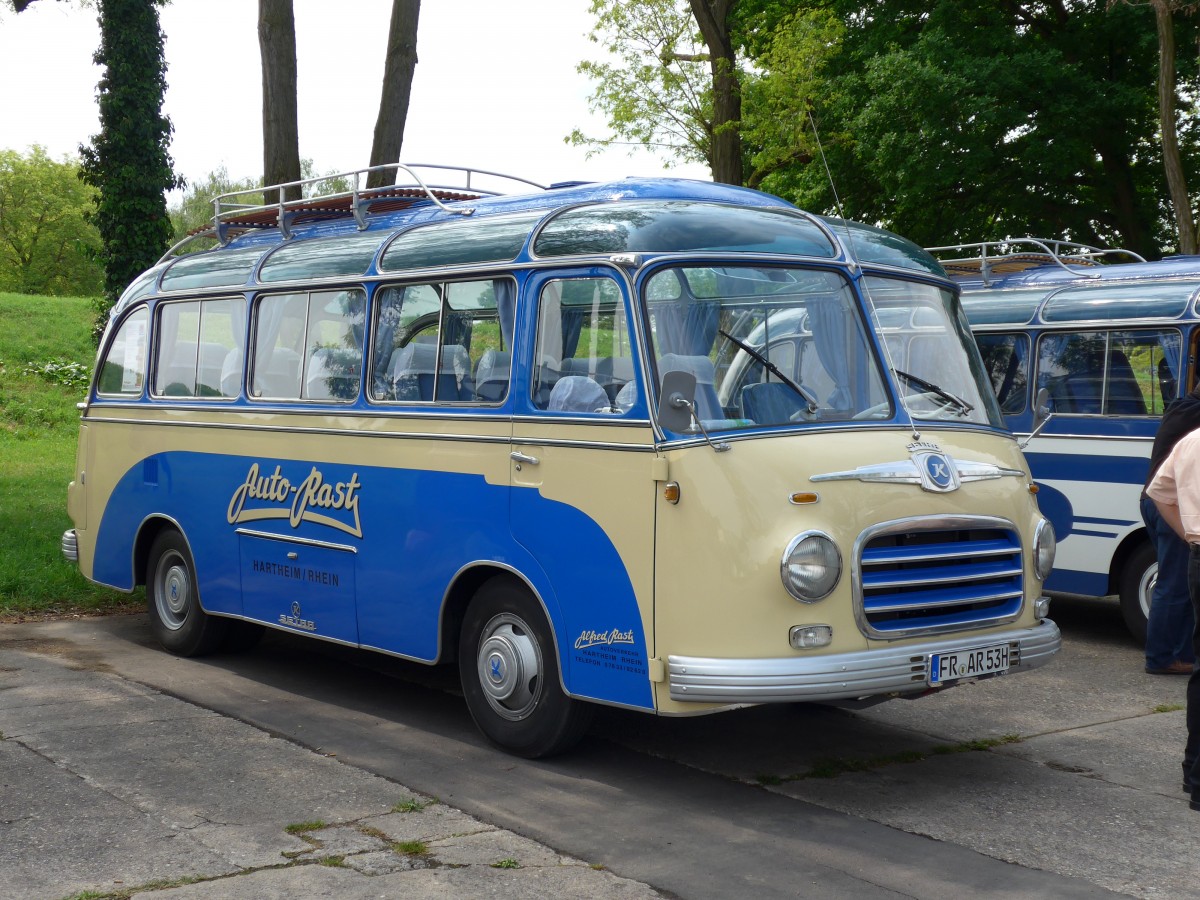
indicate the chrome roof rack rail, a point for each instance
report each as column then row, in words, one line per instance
column 1005, row 256
column 236, row 212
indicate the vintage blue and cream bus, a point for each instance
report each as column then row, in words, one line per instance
column 551, row 437
column 1111, row 339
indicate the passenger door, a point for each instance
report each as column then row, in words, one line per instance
column 583, row 493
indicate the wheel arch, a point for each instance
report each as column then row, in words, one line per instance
column 151, row 527
column 463, row 587
column 1128, row 546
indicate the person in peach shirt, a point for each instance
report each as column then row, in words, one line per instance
column 1177, row 498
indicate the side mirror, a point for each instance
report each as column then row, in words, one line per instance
column 1042, row 413
column 1041, row 407
column 676, row 401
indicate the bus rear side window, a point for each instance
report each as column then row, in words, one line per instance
column 200, row 348
column 123, row 372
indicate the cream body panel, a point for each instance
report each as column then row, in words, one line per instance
column 719, row 592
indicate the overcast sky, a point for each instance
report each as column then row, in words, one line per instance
column 495, row 86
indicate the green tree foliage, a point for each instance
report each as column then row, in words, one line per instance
column 656, row 86
column 971, row 119
column 128, row 162
column 947, row 120
column 651, row 89
column 47, row 244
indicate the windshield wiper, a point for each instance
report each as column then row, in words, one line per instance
column 805, row 394
column 963, row 406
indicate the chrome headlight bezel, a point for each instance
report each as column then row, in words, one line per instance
column 823, row 560
column 1045, row 543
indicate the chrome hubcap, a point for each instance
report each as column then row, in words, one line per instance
column 510, row 666
column 172, row 595
column 1146, row 589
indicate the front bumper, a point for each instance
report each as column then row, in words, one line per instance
column 845, row 676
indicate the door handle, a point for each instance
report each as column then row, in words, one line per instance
column 519, row 458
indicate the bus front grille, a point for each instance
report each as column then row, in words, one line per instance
column 919, row 576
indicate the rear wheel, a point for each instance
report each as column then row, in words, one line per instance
column 173, row 601
column 510, row 674
column 1137, row 589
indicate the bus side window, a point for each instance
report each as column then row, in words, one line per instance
column 308, row 346
column 1108, row 373
column 443, row 343
column 583, row 362
column 123, row 371
column 278, row 343
column 195, row 340
column 334, row 345
column 1006, row 361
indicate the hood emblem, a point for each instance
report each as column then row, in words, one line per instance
column 929, row 466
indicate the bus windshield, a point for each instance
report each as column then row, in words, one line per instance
column 929, row 345
column 768, row 346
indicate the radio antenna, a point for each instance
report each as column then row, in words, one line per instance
column 837, row 201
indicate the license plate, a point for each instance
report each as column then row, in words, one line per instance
column 947, row 667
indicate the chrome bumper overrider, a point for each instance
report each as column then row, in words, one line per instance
column 70, row 545
column 842, row 676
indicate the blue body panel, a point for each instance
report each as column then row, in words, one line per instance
column 371, row 568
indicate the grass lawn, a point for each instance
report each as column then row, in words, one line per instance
column 45, row 355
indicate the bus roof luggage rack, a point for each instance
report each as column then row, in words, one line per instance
column 993, row 258
column 238, row 212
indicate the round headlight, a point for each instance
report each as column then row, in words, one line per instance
column 811, row 566
column 1044, row 544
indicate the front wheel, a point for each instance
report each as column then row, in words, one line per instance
column 510, row 675
column 1137, row 589
column 173, row 601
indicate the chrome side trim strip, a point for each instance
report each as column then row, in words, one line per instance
column 503, row 439
column 290, row 539
column 844, row 676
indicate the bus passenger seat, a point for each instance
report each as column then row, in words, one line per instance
column 280, row 377
column 578, row 393
column 231, row 373
column 707, row 405
column 413, row 368
column 491, row 375
column 626, row 397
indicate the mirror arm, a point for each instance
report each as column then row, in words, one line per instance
column 678, row 401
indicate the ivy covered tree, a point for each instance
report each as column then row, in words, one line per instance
column 128, row 162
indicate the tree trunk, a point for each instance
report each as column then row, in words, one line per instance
column 726, row 161
column 281, row 138
column 1176, row 183
column 398, row 71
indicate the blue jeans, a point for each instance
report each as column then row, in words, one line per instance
column 1171, row 621
column 1191, row 753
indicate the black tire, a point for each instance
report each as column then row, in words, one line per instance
column 1136, row 586
column 241, row 636
column 510, row 674
column 173, row 600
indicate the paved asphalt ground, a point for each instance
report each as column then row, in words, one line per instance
column 289, row 772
